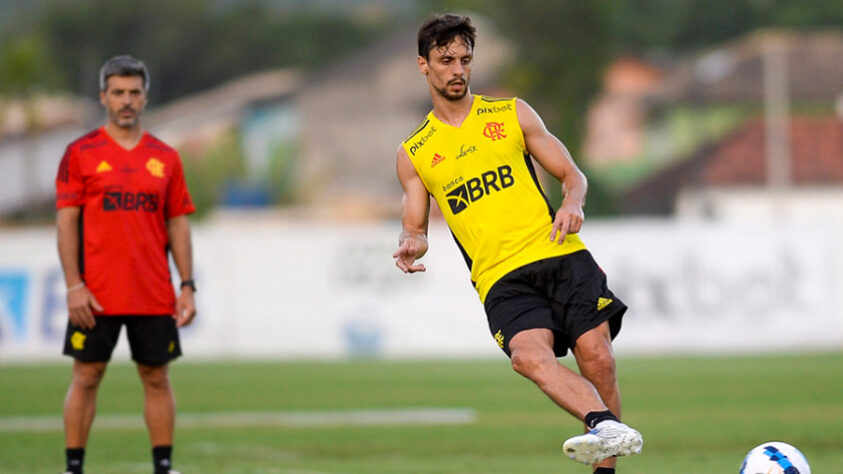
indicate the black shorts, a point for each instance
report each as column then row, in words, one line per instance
column 566, row 294
column 153, row 340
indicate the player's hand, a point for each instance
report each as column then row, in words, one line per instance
column 568, row 220
column 411, row 248
column 185, row 308
column 80, row 303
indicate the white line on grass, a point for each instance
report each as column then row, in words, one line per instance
column 408, row 416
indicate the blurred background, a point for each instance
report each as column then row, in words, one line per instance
column 710, row 131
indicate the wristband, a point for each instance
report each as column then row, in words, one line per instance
column 189, row 283
column 75, row 287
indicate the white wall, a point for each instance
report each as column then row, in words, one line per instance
column 314, row 290
column 816, row 205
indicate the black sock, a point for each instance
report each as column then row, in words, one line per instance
column 161, row 458
column 605, row 470
column 75, row 457
column 594, row 417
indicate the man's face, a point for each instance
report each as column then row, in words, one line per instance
column 448, row 68
column 124, row 99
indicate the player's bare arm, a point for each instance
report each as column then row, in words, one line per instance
column 80, row 301
column 178, row 230
column 552, row 155
column 415, row 212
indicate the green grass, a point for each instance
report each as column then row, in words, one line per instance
column 698, row 415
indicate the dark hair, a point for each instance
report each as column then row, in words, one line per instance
column 123, row 66
column 439, row 30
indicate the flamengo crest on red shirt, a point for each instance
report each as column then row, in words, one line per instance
column 155, row 167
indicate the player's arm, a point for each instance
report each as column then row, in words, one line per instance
column 415, row 212
column 552, row 155
column 80, row 301
column 178, row 231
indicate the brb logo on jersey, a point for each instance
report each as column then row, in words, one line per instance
column 129, row 201
column 475, row 188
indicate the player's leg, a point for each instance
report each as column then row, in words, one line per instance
column 154, row 342
column 91, row 350
column 80, row 403
column 591, row 315
column 606, row 436
column 159, row 407
column 596, row 361
column 533, row 357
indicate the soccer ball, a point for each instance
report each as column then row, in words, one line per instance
column 775, row 457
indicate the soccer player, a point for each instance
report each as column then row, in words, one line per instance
column 122, row 204
column 542, row 291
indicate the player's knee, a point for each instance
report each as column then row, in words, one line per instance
column 88, row 376
column 155, row 379
column 530, row 364
column 599, row 365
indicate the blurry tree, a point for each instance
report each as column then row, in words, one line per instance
column 25, row 67
column 208, row 173
column 190, row 45
column 688, row 25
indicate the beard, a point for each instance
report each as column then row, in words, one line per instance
column 453, row 96
column 126, row 122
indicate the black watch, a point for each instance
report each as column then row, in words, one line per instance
column 189, row 283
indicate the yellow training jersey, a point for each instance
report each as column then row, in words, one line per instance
column 486, row 186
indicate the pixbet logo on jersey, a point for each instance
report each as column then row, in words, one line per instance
column 493, row 109
column 421, row 141
column 129, row 201
column 475, row 188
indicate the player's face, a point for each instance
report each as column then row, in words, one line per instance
column 448, row 69
column 124, row 99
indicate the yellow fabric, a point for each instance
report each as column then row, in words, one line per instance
column 485, row 184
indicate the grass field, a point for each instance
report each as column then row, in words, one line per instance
column 698, row 415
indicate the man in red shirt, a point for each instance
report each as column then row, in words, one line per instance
column 122, row 204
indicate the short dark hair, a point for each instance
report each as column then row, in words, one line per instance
column 124, row 65
column 439, row 30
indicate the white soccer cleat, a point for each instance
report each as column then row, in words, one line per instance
column 609, row 438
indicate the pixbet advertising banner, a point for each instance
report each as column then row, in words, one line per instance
column 272, row 288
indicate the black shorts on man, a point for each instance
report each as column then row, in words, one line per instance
column 153, row 340
column 566, row 294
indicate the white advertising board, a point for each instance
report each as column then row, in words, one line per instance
column 288, row 289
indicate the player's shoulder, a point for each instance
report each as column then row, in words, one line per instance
column 154, row 143
column 93, row 139
column 492, row 100
column 421, row 127
column 487, row 105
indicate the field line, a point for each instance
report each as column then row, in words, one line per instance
column 398, row 416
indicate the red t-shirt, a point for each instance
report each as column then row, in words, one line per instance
column 126, row 197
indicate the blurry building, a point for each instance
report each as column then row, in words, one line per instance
column 728, row 179
column 657, row 132
column 617, row 119
column 33, row 137
column 329, row 138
